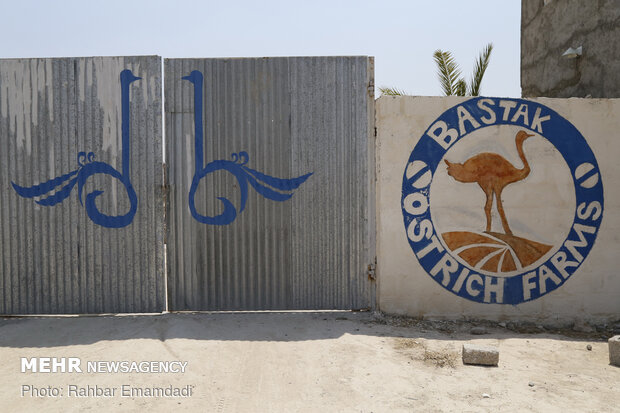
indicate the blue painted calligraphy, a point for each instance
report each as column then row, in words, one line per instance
column 88, row 167
column 276, row 189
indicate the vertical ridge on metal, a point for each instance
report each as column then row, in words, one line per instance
column 276, row 213
column 93, row 125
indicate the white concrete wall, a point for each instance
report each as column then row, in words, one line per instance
column 540, row 207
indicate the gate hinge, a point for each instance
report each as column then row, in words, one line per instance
column 372, row 275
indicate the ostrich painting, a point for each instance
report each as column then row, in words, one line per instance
column 493, row 251
column 493, row 173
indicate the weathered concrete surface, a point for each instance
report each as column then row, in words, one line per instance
column 614, row 350
column 304, row 362
column 480, row 355
column 405, row 288
column 548, row 28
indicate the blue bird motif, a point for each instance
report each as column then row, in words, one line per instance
column 88, row 167
column 276, row 189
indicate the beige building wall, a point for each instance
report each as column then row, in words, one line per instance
column 541, row 209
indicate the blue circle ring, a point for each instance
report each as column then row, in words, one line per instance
column 423, row 239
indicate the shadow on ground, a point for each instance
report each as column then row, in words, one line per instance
column 22, row 332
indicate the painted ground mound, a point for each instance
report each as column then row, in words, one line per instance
column 495, row 252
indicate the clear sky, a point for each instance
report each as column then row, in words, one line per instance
column 400, row 34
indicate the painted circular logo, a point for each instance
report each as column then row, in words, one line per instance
column 502, row 200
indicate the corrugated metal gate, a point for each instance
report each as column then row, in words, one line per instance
column 271, row 184
column 69, row 128
column 271, row 174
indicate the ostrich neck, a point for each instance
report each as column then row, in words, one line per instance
column 523, row 172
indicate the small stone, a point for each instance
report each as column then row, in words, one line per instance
column 589, row 347
column 478, row 331
column 486, row 396
column 531, row 384
column 502, row 324
column 614, row 351
column 480, row 355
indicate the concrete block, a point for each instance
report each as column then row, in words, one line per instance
column 614, row 351
column 480, row 355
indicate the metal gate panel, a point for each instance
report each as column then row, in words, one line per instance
column 272, row 128
column 70, row 127
column 332, row 123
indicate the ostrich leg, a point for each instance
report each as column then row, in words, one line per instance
column 487, row 206
column 502, row 214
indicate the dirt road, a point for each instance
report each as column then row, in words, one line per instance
column 306, row 362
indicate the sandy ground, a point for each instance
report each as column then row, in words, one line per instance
column 306, row 362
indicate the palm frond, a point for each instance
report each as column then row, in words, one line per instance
column 391, row 91
column 461, row 87
column 479, row 68
column 448, row 71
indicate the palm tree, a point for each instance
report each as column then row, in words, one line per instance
column 449, row 75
